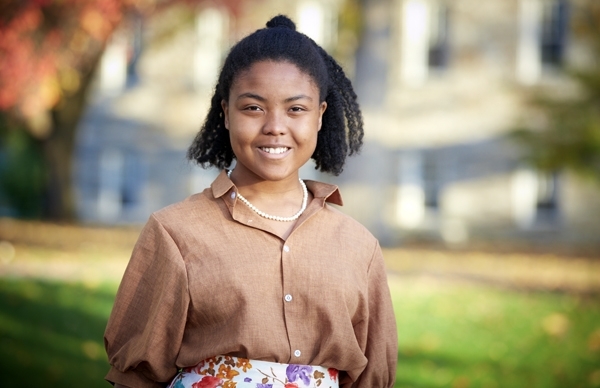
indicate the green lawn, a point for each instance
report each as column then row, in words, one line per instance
column 51, row 334
column 451, row 335
column 458, row 335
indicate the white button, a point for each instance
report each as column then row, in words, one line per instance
column 286, row 248
column 288, row 298
column 297, row 353
column 233, row 195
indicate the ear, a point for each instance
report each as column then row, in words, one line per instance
column 225, row 108
column 322, row 109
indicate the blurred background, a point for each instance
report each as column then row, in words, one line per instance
column 480, row 173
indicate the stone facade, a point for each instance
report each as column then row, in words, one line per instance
column 441, row 83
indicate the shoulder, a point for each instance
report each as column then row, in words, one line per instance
column 347, row 222
column 189, row 212
column 340, row 235
column 345, row 228
column 349, row 227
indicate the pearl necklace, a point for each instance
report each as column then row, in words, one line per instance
column 276, row 218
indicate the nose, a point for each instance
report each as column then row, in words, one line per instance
column 275, row 123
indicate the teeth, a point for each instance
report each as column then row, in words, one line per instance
column 278, row 150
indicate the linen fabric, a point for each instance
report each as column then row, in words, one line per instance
column 208, row 277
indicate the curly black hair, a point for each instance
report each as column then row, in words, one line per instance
column 341, row 131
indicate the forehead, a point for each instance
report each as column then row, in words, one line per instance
column 278, row 74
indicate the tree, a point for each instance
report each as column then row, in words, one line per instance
column 568, row 134
column 49, row 51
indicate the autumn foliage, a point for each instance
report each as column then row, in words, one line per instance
column 45, row 46
column 49, row 50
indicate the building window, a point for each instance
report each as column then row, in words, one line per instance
column 431, row 182
column 424, row 40
column 135, row 45
column 546, row 191
column 410, row 199
column 553, row 32
column 547, row 209
column 535, row 198
column 438, row 36
column 133, row 181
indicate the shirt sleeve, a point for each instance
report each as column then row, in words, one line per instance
column 381, row 348
column 145, row 329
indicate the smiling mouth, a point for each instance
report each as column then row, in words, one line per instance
column 277, row 150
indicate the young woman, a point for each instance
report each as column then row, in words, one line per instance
column 257, row 281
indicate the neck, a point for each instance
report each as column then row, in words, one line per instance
column 281, row 201
column 252, row 187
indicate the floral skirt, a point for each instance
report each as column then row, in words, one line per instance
column 234, row 372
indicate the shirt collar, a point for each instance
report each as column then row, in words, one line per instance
column 324, row 191
column 221, row 185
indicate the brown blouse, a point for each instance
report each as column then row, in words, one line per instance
column 206, row 277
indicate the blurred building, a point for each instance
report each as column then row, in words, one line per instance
column 455, row 77
column 441, row 84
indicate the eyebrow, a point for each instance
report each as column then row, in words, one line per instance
column 251, row 95
column 262, row 99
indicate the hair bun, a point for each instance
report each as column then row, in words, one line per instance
column 281, row 21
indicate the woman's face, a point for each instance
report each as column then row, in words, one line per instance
column 273, row 116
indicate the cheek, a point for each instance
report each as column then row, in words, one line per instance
column 237, row 137
column 310, row 136
column 316, row 127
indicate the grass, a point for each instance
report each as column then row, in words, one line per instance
column 464, row 335
column 51, row 333
column 451, row 335
column 530, row 324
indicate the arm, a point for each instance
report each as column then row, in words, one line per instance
column 144, row 332
column 382, row 337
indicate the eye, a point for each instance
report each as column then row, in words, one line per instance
column 252, row 108
column 297, row 109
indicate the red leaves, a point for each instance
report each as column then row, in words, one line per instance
column 42, row 40
column 26, row 67
column 47, row 47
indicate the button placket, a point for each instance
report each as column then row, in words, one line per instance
column 291, row 309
